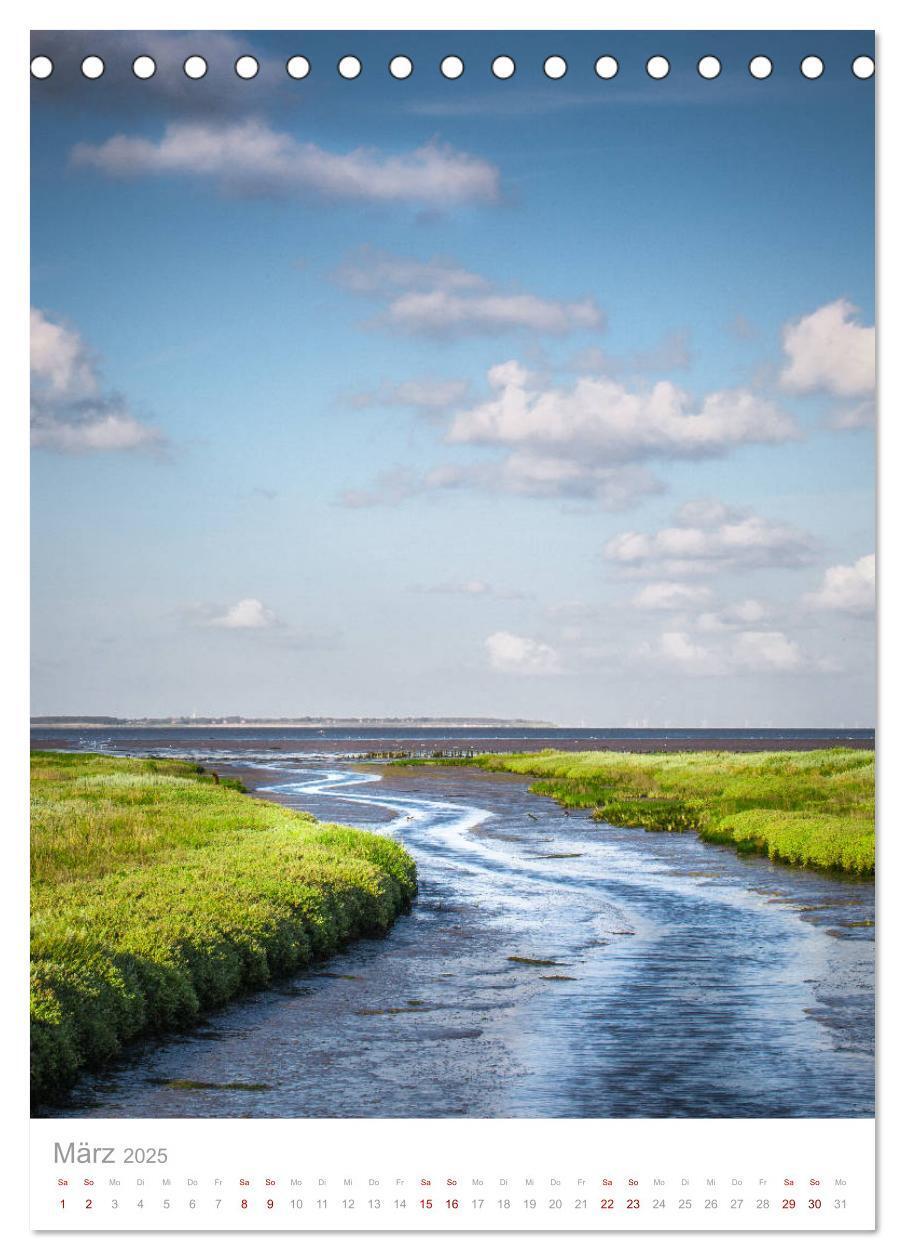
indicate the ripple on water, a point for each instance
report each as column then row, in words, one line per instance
column 551, row 966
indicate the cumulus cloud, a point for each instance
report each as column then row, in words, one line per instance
column 512, row 654
column 70, row 410
column 589, row 442
column 245, row 614
column 675, row 647
column 438, row 298
column 251, row 621
column 670, row 596
column 745, row 652
column 829, row 351
column 604, row 419
column 766, row 651
column 708, row 536
column 745, row 612
column 849, row 588
column 250, row 158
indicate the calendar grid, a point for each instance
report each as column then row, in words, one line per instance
column 453, row 1175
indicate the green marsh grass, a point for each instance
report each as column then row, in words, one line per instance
column 158, row 894
column 813, row 808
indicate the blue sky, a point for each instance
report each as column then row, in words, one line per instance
column 272, row 474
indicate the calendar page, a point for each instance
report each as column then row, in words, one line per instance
column 452, row 576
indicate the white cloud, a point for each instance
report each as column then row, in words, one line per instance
column 108, row 430
column 766, row 651
column 442, row 313
column 746, row 612
column 537, row 476
column 847, row 588
column 829, row 351
column 709, row 536
column 670, row 596
column 600, row 418
column 512, row 654
column 60, row 359
column 675, row 647
column 246, row 614
column 251, row 159
column 589, row 442
column 70, row 411
column 439, row 298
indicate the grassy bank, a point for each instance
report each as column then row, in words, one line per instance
column 158, row 893
column 808, row 808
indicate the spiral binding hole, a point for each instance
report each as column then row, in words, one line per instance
column 247, row 67
column 349, row 67
column 298, row 67
column 92, row 67
column 863, row 67
column 401, row 67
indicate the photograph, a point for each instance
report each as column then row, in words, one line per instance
column 452, row 576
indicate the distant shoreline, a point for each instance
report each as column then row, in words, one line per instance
column 302, row 724
column 464, row 724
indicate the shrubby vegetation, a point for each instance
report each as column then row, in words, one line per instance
column 811, row 808
column 158, row 893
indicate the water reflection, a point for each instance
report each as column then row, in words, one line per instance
column 551, row 966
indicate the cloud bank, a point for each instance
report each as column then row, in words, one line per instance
column 439, row 298
column 709, row 536
column 250, row 158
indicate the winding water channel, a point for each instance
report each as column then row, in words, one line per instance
column 551, row 966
